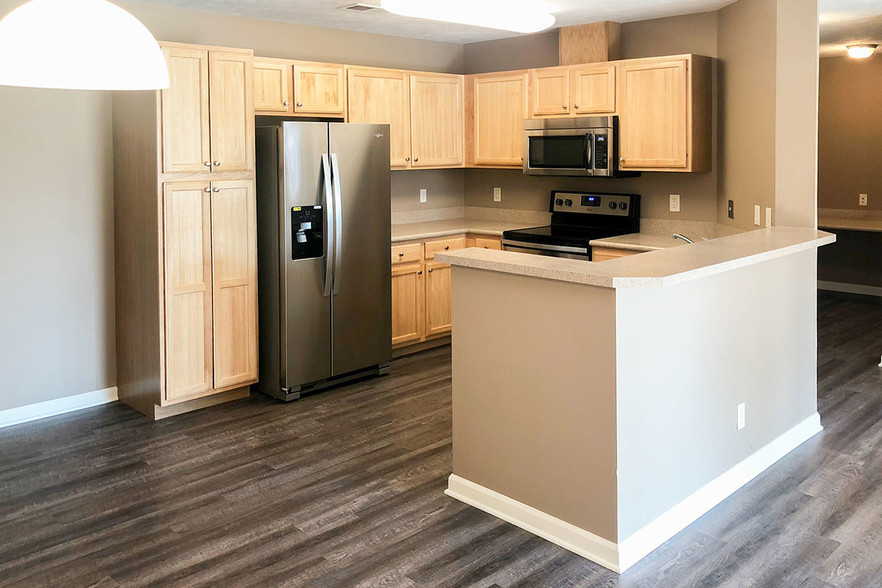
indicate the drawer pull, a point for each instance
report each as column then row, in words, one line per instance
column 446, row 247
column 419, row 273
column 430, row 271
column 400, row 255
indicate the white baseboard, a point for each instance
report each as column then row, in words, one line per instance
column 568, row 536
column 41, row 410
column 619, row 557
column 647, row 539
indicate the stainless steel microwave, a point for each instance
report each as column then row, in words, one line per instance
column 582, row 146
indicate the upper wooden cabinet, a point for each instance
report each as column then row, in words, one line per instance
column 665, row 114
column 550, row 94
column 436, row 106
column 593, row 89
column 382, row 96
column 319, row 88
column 273, row 86
column 207, row 117
column 497, row 105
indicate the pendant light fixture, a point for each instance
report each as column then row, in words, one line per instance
column 520, row 16
column 861, row 51
column 80, row 45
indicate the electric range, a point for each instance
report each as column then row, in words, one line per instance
column 576, row 219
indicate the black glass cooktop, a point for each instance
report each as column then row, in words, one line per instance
column 575, row 236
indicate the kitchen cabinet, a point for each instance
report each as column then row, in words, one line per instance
column 319, row 88
column 437, row 298
column 593, row 89
column 497, row 105
column 382, row 96
column 550, row 91
column 207, row 118
column 664, row 109
column 487, row 243
column 273, row 86
column 436, row 106
column 408, row 293
column 186, row 235
column 606, row 253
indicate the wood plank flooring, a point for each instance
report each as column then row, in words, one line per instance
column 345, row 488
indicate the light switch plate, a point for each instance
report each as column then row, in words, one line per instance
column 756, row 215
column 742, row 421
column 423, row 195
column 730, row 212
column 675, row 203
column 497, row 194
column 768, row 216
column 862, row 199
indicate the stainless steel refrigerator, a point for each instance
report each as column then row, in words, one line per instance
column 324, row 233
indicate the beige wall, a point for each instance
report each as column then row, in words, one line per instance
column 539, row 50
column 850, row 134
column 56, row 200
column 666, row 36
column 444, row 188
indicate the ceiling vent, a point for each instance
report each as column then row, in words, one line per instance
column 360, row 7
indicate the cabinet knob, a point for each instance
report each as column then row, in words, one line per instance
column 207, row 164
column 208, row 189
column 430, row 271
column 564, row 106
column 400, row 255
column 299, row 104
column 216, row 163
column 486, row 247
column 419, row 273
column 576, row 106
column 621, row 160
column 217, row 189
column 407, row 159
column 285, row 103
column 446, row 247
column 416, row 159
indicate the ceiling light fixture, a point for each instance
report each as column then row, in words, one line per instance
column 80, row 45
column 521, row 16
column 861, row 51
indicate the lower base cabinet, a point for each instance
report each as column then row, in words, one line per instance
column 421, row 287
column 607, row 253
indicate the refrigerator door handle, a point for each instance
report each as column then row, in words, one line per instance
column 331, row 231
column 338, row 220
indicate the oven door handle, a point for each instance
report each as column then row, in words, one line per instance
column 544, row 247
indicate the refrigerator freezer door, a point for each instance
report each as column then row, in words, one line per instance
column 306, row 312
column 362, row 320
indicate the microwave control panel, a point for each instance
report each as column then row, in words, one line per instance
column 601, row 151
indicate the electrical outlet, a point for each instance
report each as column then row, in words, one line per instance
column 768, row 216
column 756, row 215
column 675, row 203
column 741, row 416
column 423, row 195
column 497, row 194
column 862, row 199
column 731, row 210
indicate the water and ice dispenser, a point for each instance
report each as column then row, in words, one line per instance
column 307, row 232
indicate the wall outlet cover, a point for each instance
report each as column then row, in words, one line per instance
column 675, row 203
column 742, row 421
column 423, row 195
column 756, row 215
column 862, row 199
column 497, row 194
column 731, row 210
column 768, row 216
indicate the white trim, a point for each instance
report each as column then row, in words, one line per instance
column 647, row 539
column 849, row 288
column 568, row 536
column 41, row 410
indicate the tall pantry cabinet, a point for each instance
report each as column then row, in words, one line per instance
column 186, row 234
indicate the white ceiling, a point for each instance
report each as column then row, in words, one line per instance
column 842, row 21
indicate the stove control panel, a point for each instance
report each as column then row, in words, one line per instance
column 593, row 203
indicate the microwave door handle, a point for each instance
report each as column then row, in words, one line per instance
column 589, row 147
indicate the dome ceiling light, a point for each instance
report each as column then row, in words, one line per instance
column 520, row 16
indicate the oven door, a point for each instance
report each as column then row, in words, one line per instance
column 559, row 152
column 567, row 251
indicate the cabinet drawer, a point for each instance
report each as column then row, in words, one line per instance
column 442, row 245
column 488, row 243
column 605, row 253
column 407, row 253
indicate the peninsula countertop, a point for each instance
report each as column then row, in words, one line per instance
column 445, row 228
column 656, row 268
column 638, row 242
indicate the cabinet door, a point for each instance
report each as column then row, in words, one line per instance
column 437, row 298
column 594, row 89
column 551, row 91
column 187, row 268
column 272, row 86
column 319, row 89
column 234, row 265
column 185, row 136
column 653, row 114
column 232, row 115
column 383, row 97
column 407, row 303
column 500, row 107
column 436, row 115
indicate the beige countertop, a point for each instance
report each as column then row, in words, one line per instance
column 444, row 228
column 665, row 267
column 638, row 242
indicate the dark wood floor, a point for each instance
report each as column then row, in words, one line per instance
column 344, row 488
